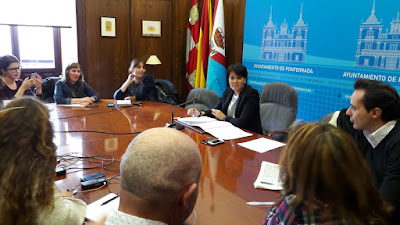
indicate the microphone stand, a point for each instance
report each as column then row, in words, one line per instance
column 173, row 124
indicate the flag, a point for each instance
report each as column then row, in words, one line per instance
column 216, row 78
column 203, row 47
column 192, row 39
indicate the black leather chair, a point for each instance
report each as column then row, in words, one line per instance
column 48, row 85
column 166, row 91
column 278, row 109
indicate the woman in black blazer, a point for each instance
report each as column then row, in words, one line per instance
column 240, row 103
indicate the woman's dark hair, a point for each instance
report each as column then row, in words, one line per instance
column 5, row 61
column 136, row 62
column 237, row 68
column 322, row 163
column 68, row 79
column 27, row 161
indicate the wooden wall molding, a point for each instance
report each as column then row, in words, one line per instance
column 105, row 60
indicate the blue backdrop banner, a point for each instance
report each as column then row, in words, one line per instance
column 321, row 48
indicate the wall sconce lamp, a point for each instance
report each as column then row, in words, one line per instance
column 153, row 61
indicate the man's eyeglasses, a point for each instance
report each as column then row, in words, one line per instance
column 15, row 69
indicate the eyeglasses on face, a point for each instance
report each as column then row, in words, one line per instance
column 14, row 69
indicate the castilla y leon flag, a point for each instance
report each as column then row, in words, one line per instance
column 192, row 39
column 203, row 47
column 216, row 78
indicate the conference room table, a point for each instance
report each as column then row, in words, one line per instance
column 229, row 170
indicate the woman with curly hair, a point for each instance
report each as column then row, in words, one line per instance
column 28, row 194
column 325, row 181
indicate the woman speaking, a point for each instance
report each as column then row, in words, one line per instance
column 240, row 103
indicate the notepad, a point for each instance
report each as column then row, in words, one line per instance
column 268, row 178
column 96, row 212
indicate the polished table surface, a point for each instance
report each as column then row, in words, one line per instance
column 229, row 170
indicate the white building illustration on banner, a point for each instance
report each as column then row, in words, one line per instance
column 283, row 45
column 376, row 49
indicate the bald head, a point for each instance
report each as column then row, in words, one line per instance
column 158, row 163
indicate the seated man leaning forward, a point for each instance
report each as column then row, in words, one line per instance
column 372, row 120
column 159, row 179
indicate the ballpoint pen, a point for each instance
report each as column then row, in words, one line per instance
column 109, row 200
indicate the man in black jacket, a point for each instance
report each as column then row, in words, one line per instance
column 372, row 121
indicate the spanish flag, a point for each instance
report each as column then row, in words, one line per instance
column 204, row 43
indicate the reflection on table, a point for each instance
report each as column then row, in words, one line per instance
column 229, row 170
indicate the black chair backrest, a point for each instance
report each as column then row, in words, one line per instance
column 48, row 85
column 166, row 86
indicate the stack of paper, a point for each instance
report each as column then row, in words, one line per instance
column 219, row 129
column 268, row 178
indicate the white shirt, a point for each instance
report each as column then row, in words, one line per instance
column 120, row 218
column 232, row 106
column 376, row 137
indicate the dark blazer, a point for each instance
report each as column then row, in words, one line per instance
column 247, row 109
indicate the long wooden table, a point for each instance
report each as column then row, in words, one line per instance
column 229, row 170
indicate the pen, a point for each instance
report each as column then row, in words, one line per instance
column 109, row 200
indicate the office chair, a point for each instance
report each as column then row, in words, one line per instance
column 206, row 99
column 169, row 95
column 326, row 118
column 278, row 109
column 48, row 86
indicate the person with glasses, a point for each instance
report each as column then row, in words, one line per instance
column 11, row 86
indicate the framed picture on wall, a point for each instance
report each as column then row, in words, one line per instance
column 108, row 26
column 151, row 28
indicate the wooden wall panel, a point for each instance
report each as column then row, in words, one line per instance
column 143, row 47
column 106, row 60
column 234, row 27
column 180, row 16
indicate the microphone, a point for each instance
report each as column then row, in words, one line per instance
column 173, row 124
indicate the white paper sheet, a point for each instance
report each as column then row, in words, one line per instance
column 219, row 129
column 50, row 106
column 261, row 145
column 228, row 133
column 72, row 105
column 96, row 212
column 196, row 120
